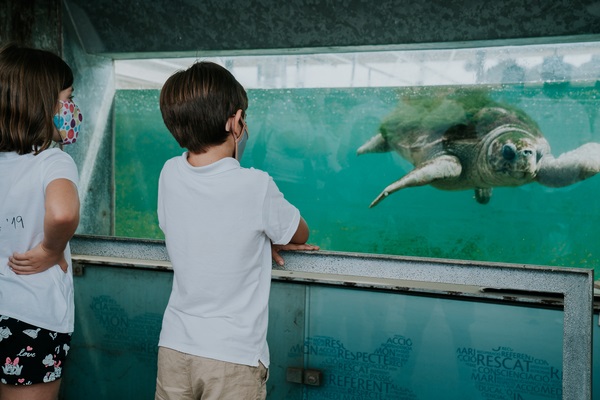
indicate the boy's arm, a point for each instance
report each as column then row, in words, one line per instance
column 297, row 243
column 302, row 232
column 60, row 222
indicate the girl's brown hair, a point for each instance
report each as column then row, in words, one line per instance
column 30, row 82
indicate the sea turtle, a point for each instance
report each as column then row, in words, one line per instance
column 461, row 139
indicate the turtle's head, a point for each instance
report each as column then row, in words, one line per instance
column 513, row 157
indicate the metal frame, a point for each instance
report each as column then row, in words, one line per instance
column 574, row 285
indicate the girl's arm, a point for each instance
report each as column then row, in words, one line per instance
column 60, row 222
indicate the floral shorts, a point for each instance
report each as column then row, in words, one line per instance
column 29, row 354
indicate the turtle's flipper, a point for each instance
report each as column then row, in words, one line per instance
column 483, row 195
column 377, row 144
column 444, row 167
column 571, row 167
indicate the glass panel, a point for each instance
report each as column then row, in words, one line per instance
column 374, row 345
column 368, row 344
column 117, row 325
column 309, row 114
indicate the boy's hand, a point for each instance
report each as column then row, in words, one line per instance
column 36, row 260
column 276, row 248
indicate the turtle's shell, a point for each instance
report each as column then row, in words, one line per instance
column 433, row 121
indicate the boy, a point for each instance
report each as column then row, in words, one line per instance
column 219, row 221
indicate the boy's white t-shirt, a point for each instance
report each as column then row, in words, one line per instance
column 44, row 299
column 219, row 222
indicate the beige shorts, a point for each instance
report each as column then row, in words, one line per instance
column 183, row 376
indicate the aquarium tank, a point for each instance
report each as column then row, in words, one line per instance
column 309, row 114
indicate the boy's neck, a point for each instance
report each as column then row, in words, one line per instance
column 212, row 155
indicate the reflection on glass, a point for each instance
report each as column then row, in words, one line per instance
column 491, row 65
column 309, row 114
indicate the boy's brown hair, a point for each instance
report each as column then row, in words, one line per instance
column 30, row 82
column 196, row 103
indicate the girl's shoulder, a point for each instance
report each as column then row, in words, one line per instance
column 53, row 154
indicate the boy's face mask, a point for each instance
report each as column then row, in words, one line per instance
column 68, row 121
column 241, row 144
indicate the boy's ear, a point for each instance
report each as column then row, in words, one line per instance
column 236, row 120
column 238, row 116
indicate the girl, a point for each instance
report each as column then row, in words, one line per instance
column 39, row 212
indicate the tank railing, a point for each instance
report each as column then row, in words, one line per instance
column 574, row 285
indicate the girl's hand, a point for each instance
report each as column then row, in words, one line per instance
column 36, row 260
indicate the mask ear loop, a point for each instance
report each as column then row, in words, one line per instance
column 235, row 150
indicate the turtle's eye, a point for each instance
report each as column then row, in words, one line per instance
column 509, row 152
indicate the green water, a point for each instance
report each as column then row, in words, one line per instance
column 306, row 139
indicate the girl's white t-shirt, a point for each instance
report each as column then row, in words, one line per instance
column 219, row 222
column 44, row 299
